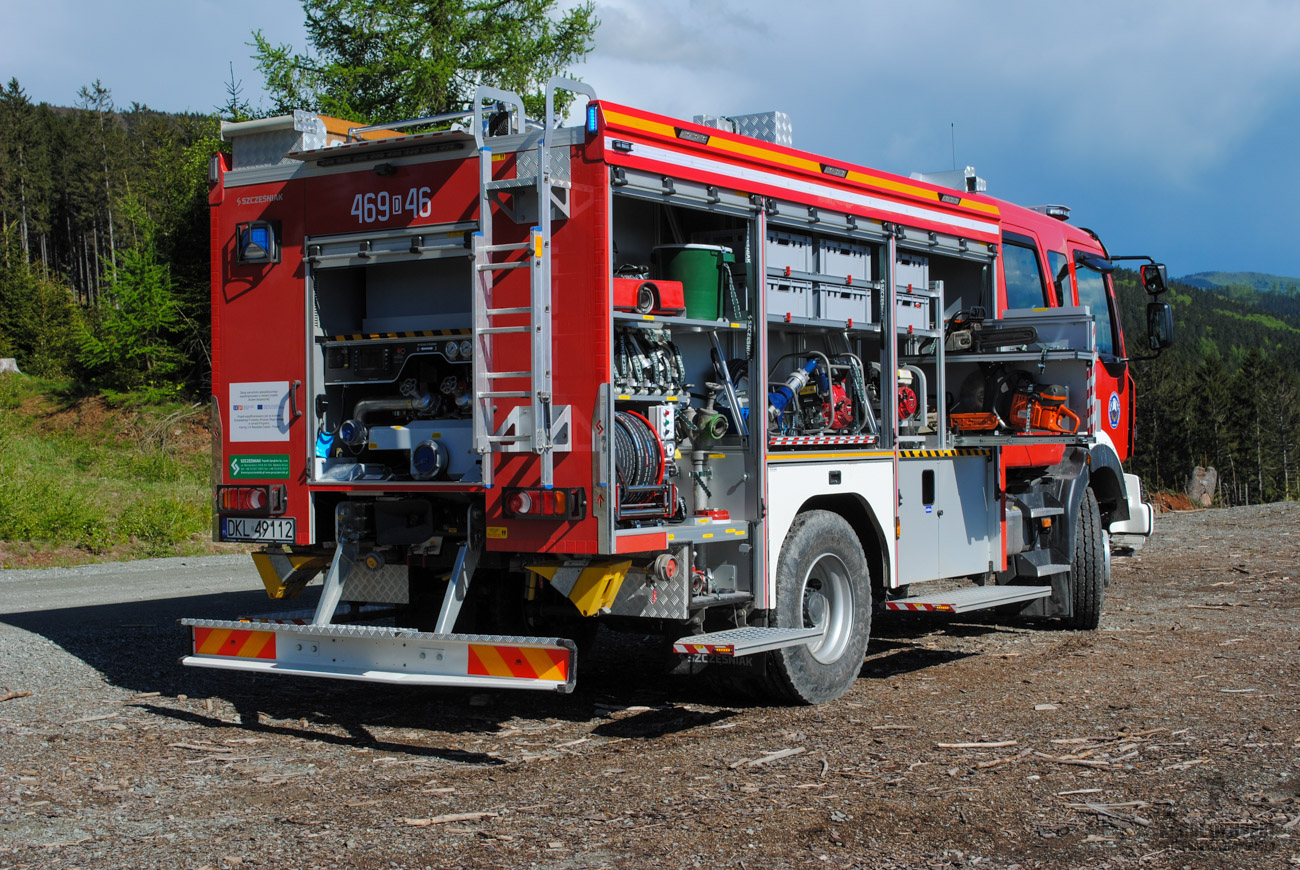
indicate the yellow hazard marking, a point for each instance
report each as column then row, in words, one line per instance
column 492, row 661
column 240, row 643
column 284, row 575
column 497, row 532
column 543, row 665
column 597, row 584
column 252, row 645
column 213, row 641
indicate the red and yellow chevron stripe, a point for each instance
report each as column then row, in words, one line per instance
column 907, row 605
column 522, row 662
column 239, row 643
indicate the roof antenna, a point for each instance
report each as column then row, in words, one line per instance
column 953, row 126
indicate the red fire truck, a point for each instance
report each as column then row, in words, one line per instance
column 508, row 380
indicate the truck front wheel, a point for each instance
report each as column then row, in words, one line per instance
column 822, row 581
column 1090, row 567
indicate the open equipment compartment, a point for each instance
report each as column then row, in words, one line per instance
column 683, row 460
column 391, row 357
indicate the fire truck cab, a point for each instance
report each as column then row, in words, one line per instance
column 504, row 381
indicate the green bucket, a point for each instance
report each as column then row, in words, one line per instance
column 702, row 273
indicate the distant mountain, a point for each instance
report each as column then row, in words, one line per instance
column 1260, row 282
column 1248, row 292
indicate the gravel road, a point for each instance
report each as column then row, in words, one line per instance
column 1170, row 738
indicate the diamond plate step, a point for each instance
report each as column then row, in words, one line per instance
column 966, row 600
column 744, row 641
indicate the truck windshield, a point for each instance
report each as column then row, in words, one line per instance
column 1092, row 293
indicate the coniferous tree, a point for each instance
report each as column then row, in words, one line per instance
column 389, row 60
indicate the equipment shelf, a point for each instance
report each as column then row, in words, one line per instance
column 806, row 324
column 1020, row 356
column 690, row 532
column 655, row 321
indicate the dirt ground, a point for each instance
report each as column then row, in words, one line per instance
column 1170, row 738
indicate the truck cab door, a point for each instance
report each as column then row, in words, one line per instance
column 1112, row 399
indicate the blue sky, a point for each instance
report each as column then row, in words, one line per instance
column 1168, row 126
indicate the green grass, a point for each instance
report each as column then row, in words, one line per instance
column 82, row 479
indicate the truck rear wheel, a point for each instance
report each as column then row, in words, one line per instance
column 1090, row 567
column 821, row 580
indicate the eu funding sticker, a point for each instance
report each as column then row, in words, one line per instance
column 259, row 411
column 259, row 466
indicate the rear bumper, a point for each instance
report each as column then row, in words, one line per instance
column 384, row 655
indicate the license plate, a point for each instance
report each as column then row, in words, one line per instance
column 258, row 529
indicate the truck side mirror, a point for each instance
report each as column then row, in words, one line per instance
column 1160, row 324
column 1155, row 279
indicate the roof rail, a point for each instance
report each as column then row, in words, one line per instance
column 355, row 133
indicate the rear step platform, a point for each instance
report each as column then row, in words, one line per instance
column 744, row 641
column 380, row 654
column 966, row 600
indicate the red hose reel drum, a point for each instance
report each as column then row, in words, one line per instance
column 907, row 401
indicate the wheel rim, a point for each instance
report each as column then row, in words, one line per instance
column 828, row 604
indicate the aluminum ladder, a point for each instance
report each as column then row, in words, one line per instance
column 535, row 426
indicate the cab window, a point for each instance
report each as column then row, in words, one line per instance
column 1092, row 293
column 1025, row 287
column 1060, row 276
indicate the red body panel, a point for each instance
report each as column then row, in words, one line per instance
column 259, row 326
column 581, row 361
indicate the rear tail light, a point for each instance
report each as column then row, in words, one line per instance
column 260, row 501
column 549, row 504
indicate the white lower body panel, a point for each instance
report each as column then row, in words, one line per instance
column 1134, row 531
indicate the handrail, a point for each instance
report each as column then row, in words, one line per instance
column 519, row 120
column 560, row 83
column 483, row 92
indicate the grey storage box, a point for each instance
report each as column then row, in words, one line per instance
column 790, row 296
column 842, row 259
column 844, row 303
column 793, row 251
column 912, row 270
column 915, row 311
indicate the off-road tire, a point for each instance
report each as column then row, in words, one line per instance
column 1090, row 567
column 821, row 578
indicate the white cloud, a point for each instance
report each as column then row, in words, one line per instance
column 1167, row 87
